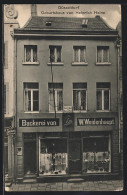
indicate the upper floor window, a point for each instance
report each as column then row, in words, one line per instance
column 55, row 53
column 55, row 96
column 79, row 53
column 30, row 54
column 102, row 54
column 103, row 96
column 31, row 97
column 80, row 96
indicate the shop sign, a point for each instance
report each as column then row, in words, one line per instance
column 95, row 121
column 67, row 109
column 41, row 122
column 68, row 121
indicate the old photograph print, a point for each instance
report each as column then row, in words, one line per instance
column 63, row 107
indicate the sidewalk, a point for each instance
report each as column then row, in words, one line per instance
column 116, row 185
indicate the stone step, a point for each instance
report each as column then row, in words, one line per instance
column 29, row 180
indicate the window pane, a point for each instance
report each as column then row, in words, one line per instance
column 105, row 55
column 99, row 100
column 58, row 54
column 51, row 101
column 28, row 54
column 106, row 99
column 82, row 55
column 34, row 53
column 77, row 100
column 76, row 59
column 35, row 105
column 99, row 55
column 35, row 95
column 52, row 57
column 27, row 100
column 83, row 100
column 59, row 100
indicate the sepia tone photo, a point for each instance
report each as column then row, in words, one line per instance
column 63, row 99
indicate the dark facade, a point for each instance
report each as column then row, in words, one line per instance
column 66, row 98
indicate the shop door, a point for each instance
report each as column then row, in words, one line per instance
column 75, row 157
column 29, row 157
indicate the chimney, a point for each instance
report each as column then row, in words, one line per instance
column 33, row 10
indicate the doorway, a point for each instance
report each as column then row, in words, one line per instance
column 75, row 156
column 29, row 157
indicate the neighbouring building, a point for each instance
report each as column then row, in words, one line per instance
column 67, row 119
column 10, row 22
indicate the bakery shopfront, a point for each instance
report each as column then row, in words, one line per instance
column 68, row 152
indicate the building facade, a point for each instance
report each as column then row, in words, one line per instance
column 10, row 22
column 66, row 98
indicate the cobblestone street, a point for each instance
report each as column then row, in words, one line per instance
column 116, row 185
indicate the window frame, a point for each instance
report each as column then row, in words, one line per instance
column 79, row 89
column 31, row 92
column 102, row 50
column 31, row 55
column 55, row 47
column 55, row 94
column 79, row 62
column 102, row 102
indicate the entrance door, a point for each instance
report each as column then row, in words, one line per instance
column 29, row 157
column 75, row 157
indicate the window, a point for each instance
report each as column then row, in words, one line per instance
column 80, row 96
column 103, row 96
column 102, row 54
column 55, row 53
column 55, row 97
column 4, row 98
column 31, row 92
column 79, row 53
column 30, row 53
column 53, row 156
column 96, row 154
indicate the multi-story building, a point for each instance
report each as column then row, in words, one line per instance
column 66, row 98
column 10, row 22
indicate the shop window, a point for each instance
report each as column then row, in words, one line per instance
column 53, row 156
column 103, row 96
column 102, row 54
column 55, row 96
column 31, row 96
column 55, row 53
column 30, row 53
column 96, row 155
column 79, row 96
column 79, row 53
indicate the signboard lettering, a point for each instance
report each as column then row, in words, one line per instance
column 38, row 122
column 95, row 121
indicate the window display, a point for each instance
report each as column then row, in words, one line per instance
column 96, row 155
column 53, row 156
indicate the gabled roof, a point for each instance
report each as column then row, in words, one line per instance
column 94, row 24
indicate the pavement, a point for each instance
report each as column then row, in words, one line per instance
column 115, row 185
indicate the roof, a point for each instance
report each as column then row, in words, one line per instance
column 94, row 24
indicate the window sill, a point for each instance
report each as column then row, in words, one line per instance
column 52, row 112
column 79, row 63
column 30, row 63
column 102, row 110
column 103, row 63
column 79, row 111
column 31, row 112
column 55, row 64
